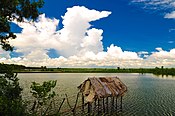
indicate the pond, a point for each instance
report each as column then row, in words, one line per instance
column 147, row 95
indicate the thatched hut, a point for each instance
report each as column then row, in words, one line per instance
column 100, row 88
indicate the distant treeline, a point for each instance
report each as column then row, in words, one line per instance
column 44, row 69
column 4, row 67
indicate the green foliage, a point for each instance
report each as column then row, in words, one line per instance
column 10, row 67
column 164, row 71
column 10, row 95
column 15, row 10
column 43, row 68
column 43, row 94
column 44, row 91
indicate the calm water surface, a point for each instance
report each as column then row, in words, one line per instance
column 147, row 95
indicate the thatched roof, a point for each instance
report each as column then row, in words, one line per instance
column 102, row 87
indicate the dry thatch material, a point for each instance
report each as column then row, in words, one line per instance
column 102, row 87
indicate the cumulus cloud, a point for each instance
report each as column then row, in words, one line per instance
column 74, row 38
column 77, row 44
column 162, row 58
column 161, row 54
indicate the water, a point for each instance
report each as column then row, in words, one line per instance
column 147, row 95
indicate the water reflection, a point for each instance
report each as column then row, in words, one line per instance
column 165, row 76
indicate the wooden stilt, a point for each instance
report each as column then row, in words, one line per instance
column 121, row 104
column 103, row 105
column 116, row 104
column 107, row 108
column 74, row 109
column 89, row 108
column 95, row 106
column 98, row 107
column 112, row 104
column 82, row 103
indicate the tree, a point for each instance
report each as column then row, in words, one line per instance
column 15, row 10
column 10, row 94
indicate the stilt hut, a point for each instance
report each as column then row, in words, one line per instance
column 102, row 93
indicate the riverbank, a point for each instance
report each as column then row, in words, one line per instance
column 156, row 71
column 44, row 69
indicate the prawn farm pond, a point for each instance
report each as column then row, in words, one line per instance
column 147, row 94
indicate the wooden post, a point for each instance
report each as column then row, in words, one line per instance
column 116, row 104
column 121, row 104
column 89, row 108
column 74, row 109
column 98, row 107
column 95, row 106
column 107, row 105
column 61, row 105
column 112, row 104
column 82, row 102
column 103, row 105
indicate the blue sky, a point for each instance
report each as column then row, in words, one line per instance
column 129, row 26
column 91, row 33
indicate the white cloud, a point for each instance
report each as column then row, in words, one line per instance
column 76, row 33
column 116, row 52
column 77, row 44
column 74, row 38
column 164, row 5
column 163, row 58
column 155, row 2
column 170, row 15
column 4, row 54
column 159, row 49
column 173, row 4
column 143, row 54
column 103, row 59
column 161, row 54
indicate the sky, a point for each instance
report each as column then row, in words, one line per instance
column 89, row 33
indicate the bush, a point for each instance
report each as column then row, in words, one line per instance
column 43, row 95
column 10, row 94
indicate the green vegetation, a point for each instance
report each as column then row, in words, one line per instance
column 44, row 69
column 11, row 102
column 44, row 96
column 10, row 94
column 164, row 71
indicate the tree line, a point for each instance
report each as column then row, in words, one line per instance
column 22, row 68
